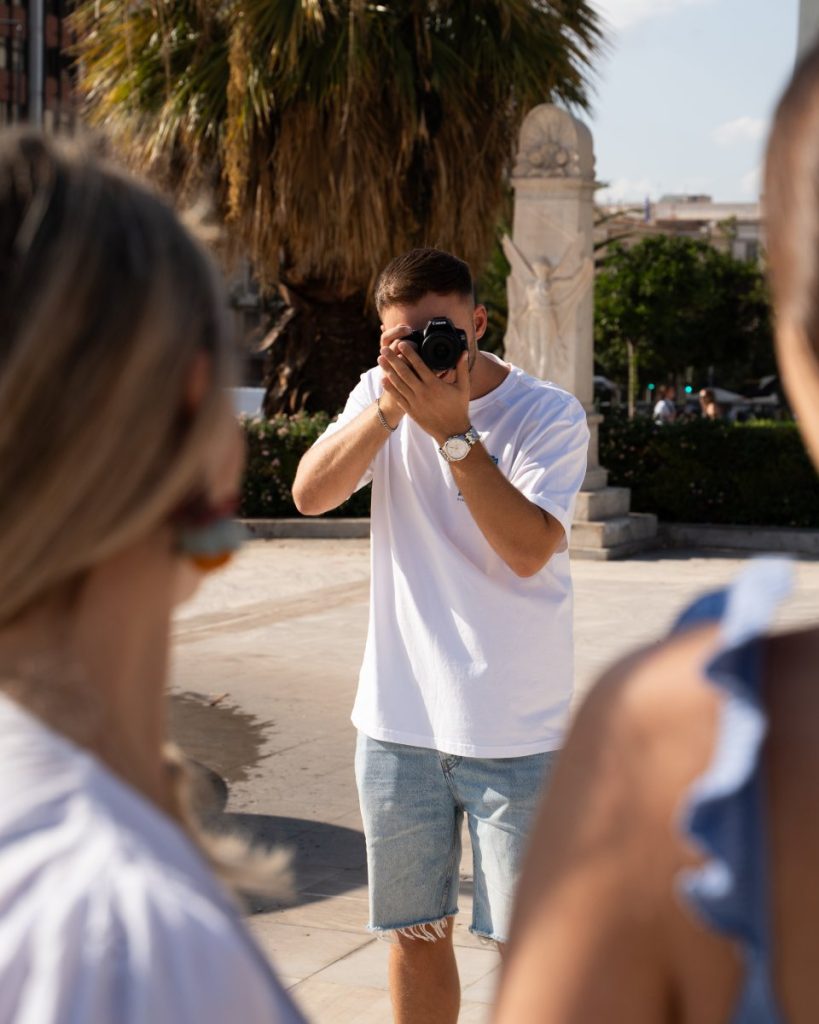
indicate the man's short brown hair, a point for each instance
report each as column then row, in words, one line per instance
column 408, row 278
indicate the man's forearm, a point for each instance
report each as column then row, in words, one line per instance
column 329, row 471
column 522, row 534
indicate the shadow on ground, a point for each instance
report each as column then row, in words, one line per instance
column 223, row 744
column 326, row 860
column 213, row 731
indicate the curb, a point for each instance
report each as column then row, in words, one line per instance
column 672, row 535
column 302, row 529
column 771, row 539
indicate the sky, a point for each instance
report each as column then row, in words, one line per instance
column 682, row 101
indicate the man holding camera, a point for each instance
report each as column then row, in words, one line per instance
column 466, row 684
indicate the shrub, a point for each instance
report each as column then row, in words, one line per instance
column 274, row 448
column 754, row 474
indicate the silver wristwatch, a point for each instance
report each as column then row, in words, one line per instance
column 457, row 447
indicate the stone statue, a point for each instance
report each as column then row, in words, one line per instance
column 553, row 145
column 550, row 329
column 542, row 300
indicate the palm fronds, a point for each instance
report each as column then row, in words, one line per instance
column 336, row 132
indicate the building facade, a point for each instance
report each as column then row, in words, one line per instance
column 35, row 67
column 732, row 227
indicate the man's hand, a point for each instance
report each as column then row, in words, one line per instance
column 439, row 405
column 390, row 340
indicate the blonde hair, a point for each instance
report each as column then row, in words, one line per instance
column 105, row 300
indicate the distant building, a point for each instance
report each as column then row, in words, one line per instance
column 731, row 227
column 36, row 84
column 808, row 25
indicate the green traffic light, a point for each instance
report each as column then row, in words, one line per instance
column 650, row 387
column 688, row 389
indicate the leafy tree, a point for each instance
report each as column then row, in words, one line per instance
column 334, row 134
column 672, row 304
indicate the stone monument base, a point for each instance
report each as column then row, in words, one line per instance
column 605, row 529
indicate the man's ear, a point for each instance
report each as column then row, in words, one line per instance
column 481, row 321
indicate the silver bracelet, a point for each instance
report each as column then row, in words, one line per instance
column 381, row 416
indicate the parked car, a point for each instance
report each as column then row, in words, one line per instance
column 606, row 392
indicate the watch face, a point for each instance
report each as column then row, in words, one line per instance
column 456, row 448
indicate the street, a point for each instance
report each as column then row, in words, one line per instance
column 266, row 661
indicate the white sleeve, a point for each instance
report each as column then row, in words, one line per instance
column 201, row 965
column 361, row 397
column 168, row 953
column 550, row 467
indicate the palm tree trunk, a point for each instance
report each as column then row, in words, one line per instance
column 317, row 349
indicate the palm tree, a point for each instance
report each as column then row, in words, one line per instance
column 334, row 134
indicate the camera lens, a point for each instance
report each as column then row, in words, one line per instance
column 442, row 352
column 442, row 345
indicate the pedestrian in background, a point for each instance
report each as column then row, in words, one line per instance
column 665, row 409
column 710, row 409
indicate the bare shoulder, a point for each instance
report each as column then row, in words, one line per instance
column 590, row 935
column 656, row 702
column 643, row 734
column 666, row 669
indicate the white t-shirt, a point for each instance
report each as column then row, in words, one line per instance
column 109, row 914
column 462, row 655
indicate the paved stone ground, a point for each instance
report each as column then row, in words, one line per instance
column 265, row 669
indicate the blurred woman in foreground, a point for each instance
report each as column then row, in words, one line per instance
column 672, row 875
column 120, row 464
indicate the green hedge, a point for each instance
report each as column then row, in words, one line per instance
column 754, row 474
column 274, row 448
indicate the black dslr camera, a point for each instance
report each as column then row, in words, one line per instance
column 439, row 344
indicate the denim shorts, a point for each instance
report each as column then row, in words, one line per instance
column 413, row 802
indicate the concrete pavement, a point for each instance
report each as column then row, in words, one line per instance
column 265, row 667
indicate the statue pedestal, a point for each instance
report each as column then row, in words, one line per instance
column 604, row 529
column 604, row 526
